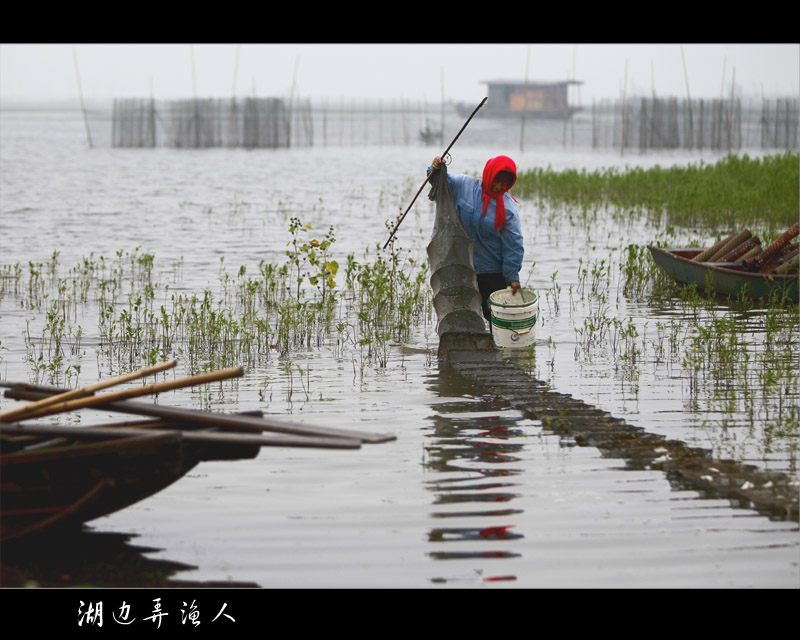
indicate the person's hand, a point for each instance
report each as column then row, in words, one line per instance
column 437, row 163
column 515, row 286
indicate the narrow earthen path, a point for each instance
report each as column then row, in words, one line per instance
column 771, row 493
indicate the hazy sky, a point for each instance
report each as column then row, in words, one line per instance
column 409, row 71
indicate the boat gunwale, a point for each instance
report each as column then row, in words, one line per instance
column 734, row 268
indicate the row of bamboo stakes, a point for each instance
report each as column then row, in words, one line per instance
column 238, row 428
column 743, row 248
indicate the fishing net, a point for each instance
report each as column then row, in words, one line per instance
column 456, row 297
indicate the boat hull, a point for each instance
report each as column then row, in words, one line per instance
column 726, row 279
column 68, row 485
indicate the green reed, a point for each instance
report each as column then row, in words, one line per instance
column 735, row 192
column 247, row 318
column 736, row 360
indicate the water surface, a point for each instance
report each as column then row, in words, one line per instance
column 471, row 493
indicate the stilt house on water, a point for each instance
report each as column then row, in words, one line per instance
column 513, row 98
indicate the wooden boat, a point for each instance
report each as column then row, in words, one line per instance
column 430, row 136
column 54, row 476
column 728, row 279
column 72, row 482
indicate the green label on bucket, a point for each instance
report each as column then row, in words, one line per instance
column 514, row 325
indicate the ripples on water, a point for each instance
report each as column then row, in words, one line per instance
column 471, row 493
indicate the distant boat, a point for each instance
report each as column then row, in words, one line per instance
column 430, row 136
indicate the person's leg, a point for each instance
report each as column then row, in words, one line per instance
column 488, row 283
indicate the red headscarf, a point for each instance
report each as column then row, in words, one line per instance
column 490, row 171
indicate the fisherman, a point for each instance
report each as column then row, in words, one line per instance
column 490, row 218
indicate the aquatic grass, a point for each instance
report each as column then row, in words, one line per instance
column 641, row 278
column 735, row 192
column 735, row 359
column 246, row 318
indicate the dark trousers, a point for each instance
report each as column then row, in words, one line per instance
column 488, row 283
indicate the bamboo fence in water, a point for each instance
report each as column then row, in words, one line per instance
column 210, row 122
column 637, row 124
column 670, row 123
column 261, row 123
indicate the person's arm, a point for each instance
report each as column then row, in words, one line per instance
column 435, row 165
column 513, row 249
column 455, row 181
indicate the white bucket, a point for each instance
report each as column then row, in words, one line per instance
column 513, row 317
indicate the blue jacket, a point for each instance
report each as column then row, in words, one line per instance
column 493, row 252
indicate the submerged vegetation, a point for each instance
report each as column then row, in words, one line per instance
column 132, row 316
column 735, row 360
column 734, row 363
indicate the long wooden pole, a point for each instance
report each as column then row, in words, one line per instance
column 194, row 416
column 688, row 95
column 624, row 130
column 524, row 101
column 34, row 407
column 80, row 95
column 441, row 128
column 156, row 423
column 151, row 389
column 200, row 437
column 399, row 222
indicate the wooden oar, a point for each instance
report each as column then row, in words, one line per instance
column 20, row 412
column 200, row 437
column 157, row 423
column 24, row 391
column 151, row 389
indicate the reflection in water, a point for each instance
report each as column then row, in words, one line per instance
column 474, row 442
column 329, row 521
column 86, row 558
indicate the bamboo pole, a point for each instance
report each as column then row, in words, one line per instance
column 80, row 95
column 34, row 407
column 623, row 132
column 239, row 422
column 441, row 127
column 151, row 389
column 198, row 437
column 157, row 423
column 524, row 101
column 575, row 98
column 688, row 94
column 235, row 70
column 730, row 107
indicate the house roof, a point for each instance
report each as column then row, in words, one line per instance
column 532, row 83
